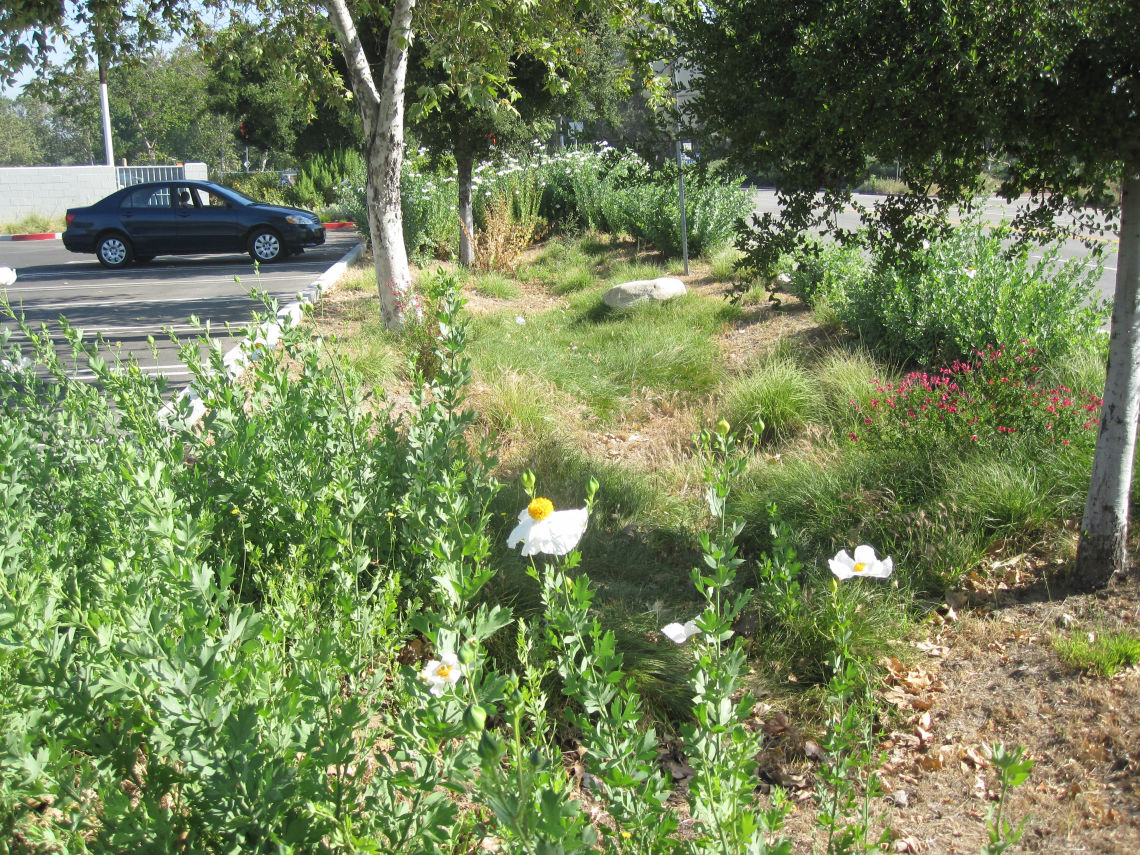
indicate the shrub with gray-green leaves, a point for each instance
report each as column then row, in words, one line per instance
column 958, row 295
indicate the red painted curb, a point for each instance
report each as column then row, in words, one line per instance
column 40, row 236
column 339, row 225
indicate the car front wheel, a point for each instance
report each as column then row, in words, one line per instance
column 265, row 246
column 114, row 251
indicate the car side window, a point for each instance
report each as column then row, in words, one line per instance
column 185, row 200
column 213, row 200
column 152, row 197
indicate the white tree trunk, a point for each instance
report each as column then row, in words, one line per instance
column 1102, row 550
column 382, row 114
column 465, row 165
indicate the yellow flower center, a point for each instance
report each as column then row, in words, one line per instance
column 859, row 567
column 540, row 509
column 443, row 671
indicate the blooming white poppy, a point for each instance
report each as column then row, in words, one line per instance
column 865, row 563
column 680, row 633
column 7, row 276
column 440, row 676
column 20, row 366
column 543, row 529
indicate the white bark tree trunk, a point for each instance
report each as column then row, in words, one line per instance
column 1102, row 550
column 465, row 166
column 382, row 114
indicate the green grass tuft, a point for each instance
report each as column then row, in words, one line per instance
column 603, row 359
column 495, row 285
column 780, row 393
column 33, row 224
column 1101, row 653
column 722, row 263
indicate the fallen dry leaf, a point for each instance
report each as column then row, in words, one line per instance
column 931, row 762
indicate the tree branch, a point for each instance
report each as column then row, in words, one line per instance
column 359, row 70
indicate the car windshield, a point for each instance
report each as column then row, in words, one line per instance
column 233, row 194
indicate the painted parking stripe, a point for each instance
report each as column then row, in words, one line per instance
column 57, row 334
column 135, row 282
column 99, row 304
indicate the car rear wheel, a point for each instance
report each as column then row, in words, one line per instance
column 114, row 251
column 265, row 246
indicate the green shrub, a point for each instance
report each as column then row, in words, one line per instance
column 259, row 186
column 958, row 295
column 617, row 192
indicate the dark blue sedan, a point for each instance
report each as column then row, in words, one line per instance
column 186, row 217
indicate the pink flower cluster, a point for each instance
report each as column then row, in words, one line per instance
column 992, row 395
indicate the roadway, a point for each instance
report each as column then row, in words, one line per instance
column 129, row 307
column 993, row 213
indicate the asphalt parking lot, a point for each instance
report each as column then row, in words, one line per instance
column 126, row 307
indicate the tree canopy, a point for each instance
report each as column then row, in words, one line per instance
column 811, row 90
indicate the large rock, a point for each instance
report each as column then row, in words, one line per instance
column 628, row 293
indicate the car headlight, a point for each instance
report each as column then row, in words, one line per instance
column 300, row 220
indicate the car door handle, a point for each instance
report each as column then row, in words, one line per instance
column 184, row 214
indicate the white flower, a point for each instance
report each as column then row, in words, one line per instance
column 863, row 564
column 520, row 320
column 21, row 366
column 543, row 529
column 440, row 676
column 7, row 276
column 680, row 633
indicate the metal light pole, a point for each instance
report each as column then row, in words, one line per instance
column 681, row 178
column 105, row 104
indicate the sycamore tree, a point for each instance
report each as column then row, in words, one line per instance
column 471, row 42
column 811, row 90
column 473, row 45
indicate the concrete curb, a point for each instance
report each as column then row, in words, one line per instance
column 40, row 236
column 266, row 336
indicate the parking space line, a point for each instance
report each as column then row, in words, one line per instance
column 147, row 283
column 96, row 304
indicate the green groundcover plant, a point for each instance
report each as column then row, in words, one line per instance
column 245, row 634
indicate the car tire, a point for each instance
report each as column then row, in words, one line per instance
column 114, row 251
column 265, row 246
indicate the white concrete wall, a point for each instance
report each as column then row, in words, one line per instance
column 50, row 190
